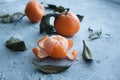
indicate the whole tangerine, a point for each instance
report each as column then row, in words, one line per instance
column 34, row 11
column 67, row 24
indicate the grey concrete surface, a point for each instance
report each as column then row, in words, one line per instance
column 98, row 14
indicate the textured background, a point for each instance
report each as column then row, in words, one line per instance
column 98, row 14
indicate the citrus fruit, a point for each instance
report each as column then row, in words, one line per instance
column 34, row 11
column 55, row 46
column 67, row 24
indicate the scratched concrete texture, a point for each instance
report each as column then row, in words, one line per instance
column 98, row 14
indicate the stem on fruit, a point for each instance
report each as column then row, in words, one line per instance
column 66, row 10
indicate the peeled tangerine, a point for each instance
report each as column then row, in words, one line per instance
column 56, row 47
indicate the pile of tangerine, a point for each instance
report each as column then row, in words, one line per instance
column 56, row 46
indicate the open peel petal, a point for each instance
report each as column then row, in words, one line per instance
column 39, row 53
column 41, row 41
column 72, row 56
column 74, row 53
column 58, row 52
column 70, row 43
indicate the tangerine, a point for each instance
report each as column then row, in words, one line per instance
column 54, row 46
column 67, row 24
column 34, row 11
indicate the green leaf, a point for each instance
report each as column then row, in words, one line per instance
column 60, row 9
column 50, row 69
column 80, row 17
column 56, row 8
column 45, row 25
column 15, row 44
column 87, row 56
column 94, row 35
column 52, row 6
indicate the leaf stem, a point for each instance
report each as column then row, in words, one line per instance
column 21, row 17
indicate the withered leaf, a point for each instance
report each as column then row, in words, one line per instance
column 17, row 16
column 50, row 69
column 90, row 30
column 4, row 15
column 107, row 34
column 87, row 56
column 94, row 35
column 80, row 17
column 15, row 44
column 6, row 18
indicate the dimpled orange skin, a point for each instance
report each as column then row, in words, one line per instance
column 54, row 46
column 34, row 11
column 67, row 24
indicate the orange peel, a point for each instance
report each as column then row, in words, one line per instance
column 55, row 46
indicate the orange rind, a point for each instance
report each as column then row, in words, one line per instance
column 39, row 53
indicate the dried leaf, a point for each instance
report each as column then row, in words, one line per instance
column 80, row 17
column 17, row 16
column 94, row 35
column 15, row 44
column 4, row 15
column 107, row 34
column 90, row 30
column 45, row 25
column 6, row 18
column 87, row 56
column 50, row 69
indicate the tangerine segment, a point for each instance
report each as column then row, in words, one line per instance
column 55, row 40
column 39, row 53
column 73, row 55
column 58, row 52
column 70, row 43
